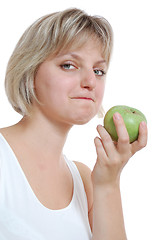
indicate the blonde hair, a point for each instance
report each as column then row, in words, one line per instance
column 49, row 35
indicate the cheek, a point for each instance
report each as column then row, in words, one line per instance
column 46, row 84
column 41, row 81
column 100, row 92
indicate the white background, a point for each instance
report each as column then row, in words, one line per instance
column 132, row 80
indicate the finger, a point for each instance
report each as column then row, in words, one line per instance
column 101, row 154
column 123, row 137
column 107, row 142
column 142, row 138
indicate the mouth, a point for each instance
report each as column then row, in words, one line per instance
column 84, row 98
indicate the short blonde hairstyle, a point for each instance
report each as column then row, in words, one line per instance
column 49, row 35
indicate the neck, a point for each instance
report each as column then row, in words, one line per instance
column 47, row 137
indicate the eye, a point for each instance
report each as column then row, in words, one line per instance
column 99, row 72
column 68, row 66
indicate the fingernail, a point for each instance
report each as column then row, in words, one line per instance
column 98, row 126
column 143, row 124
column 117, row 116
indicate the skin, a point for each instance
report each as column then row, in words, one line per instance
column 73, row 81
column 71, row 87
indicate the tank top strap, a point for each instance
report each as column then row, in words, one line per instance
column 79, row 189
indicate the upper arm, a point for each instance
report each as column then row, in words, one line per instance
column 85, row 173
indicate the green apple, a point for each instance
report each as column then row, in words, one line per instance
column 132, row 118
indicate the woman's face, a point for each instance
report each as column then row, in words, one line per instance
column 71, row 85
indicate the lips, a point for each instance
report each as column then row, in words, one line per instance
column 84, row 98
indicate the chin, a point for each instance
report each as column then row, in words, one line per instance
column 83, row 119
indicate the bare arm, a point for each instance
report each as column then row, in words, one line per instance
column 108, row 221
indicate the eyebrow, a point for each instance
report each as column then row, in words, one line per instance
column 76, row 56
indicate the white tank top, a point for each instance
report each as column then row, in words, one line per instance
column 23, row 217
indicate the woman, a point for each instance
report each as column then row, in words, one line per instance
column 55, row 79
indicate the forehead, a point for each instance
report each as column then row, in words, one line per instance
column 91, row 45
column 82, row 40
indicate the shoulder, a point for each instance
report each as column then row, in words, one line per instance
column 85, row 173
column 5, row 131
column 3, row 135
column 84, row 170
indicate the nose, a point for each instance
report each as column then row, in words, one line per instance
column 88, row 80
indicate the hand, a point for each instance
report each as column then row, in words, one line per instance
column 112, row 157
